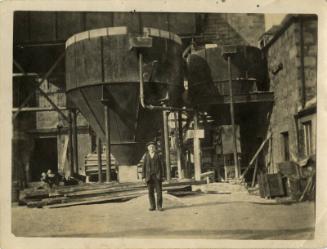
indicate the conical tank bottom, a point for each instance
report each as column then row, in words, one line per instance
column 131, row 126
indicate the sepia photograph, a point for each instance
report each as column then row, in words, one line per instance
column 163, row 124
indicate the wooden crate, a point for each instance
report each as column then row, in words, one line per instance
column 271, row 185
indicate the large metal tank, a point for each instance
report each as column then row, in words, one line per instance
column 207, row 71
column 101, row 64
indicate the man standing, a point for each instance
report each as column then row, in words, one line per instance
column 152, row 173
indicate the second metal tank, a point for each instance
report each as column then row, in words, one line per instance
column 207, row 72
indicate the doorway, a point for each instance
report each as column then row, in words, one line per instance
column 44, row 157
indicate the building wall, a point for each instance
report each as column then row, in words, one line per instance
column 234, row 29
column 310, row 31
column 286, row 84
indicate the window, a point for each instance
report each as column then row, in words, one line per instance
column 286, row 147
column 307, row 128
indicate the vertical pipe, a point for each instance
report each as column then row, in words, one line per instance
column 71, row 153
column 166, row 138
column 180, row 133
column 178, row 147
column 108, row 149
column 99, row 152
column 237, row 173
column 197, row 148
column 74, row 137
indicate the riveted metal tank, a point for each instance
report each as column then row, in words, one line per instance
column 207, row 71
column 101, row 64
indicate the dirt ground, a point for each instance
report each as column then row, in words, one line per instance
column 212, row 215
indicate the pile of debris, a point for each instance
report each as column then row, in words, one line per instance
column 84, row 194
column 295, row 181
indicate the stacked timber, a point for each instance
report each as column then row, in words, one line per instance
column 91, row 163
column 63, row 196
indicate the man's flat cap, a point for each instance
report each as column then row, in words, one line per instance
column 151, row 142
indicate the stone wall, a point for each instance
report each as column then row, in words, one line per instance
column 286, row 83
column 310, row 30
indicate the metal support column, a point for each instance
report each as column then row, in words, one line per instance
column 74, row 141
column 166, row 138
column 99, row 151
column 178, row 146
column 180, row 132
column 196, row 148
column 108, row 148
column 237, row 169
column 71, row 154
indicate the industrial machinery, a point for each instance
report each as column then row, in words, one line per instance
column 128, row 71
column 208, row 77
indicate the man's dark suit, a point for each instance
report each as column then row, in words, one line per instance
column 153, row 173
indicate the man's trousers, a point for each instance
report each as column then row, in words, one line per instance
column 154, row 183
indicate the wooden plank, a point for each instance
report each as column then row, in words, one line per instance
column 256, row 155
column 97, row 200
column 255, row 173
column 58, row 202
column 98, row 189
column 46, row 201
column 64, row 153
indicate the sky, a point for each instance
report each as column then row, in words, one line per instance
column 273, row 19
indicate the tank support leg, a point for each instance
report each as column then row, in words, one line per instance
column 166, row 138
column 99, row 151
column 108, row 148
column 178, row 145
column 74, row 141
column 197, row 149
column 71, row 153
column 237, row 168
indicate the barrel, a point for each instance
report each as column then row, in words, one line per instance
column 102, row 64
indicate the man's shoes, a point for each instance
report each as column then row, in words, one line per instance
column 152, row 209
column 160, row 209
